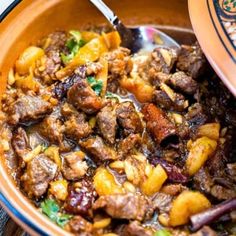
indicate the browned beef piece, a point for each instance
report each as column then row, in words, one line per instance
column 231, row 171
column 222, row 193
column 162, row 60
column 98, row 149
column 82, row 96
column 128, row 118
column 160, row 77
column 76, row 126
column 52, row 64
column 134, row 228
column 20, row 142
column 55, row 40
column 123, row 206
column 205, row 231
column 207, row 183
column 80, row 226
column 163, row 100
column 203, row 180
column 81, row 198
column 119, row 63
column 162, row 202
column 52, row 129
column 128, row 144
column 40, row 171
column 195, row 116
column 183, row 82
column 191, row 60
column 106, row 120
column 55, row 43
column 28, row 108
column 60, row 88
column 173, row 189
column 74, row 165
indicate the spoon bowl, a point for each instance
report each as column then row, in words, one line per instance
column 142, row 38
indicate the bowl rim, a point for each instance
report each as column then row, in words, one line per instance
column 216, row 51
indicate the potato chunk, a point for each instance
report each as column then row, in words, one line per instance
column 211, row 130
column 27, row 59
column 186, row 204
column 199, row 152
column 105, row 183
column 59, row 189
column 154, row 181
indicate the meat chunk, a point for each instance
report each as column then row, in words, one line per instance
column 55, row 43
column 205, row 231
column 55, row 40
column 76, row 126
column 80, row 226
column 183, row 82
column 20, row 142
column 203, row 180
column 134, row 228
column 128, row 118
column 28, row 108
column 40, row 171
column 123, row 206
column 98, row 149
column 60, row 88
column 222, row 193
column 163, row 100
column 195, row 116
column 52, row 129
column 191, row 60
column 81, row 198
column 106, row 120
column 158, row 125
column 74, row 165
column 119, row 62
column 162, row 202
column 82, row 96
column 162, row 60
column 128, row 144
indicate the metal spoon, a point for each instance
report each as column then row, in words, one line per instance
column 144, row 38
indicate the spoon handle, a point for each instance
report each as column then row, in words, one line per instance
column 106, row 11
column 125, row 33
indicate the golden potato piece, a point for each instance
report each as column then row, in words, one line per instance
column 211, row 130
column 154, row 181
column 59, row 189
column 186, row 204
column 27, row 59
column 199, row 152
column 105, row 183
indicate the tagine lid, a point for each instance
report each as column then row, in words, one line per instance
column 214, row 23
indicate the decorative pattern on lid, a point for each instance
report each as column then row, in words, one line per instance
column 226, row 10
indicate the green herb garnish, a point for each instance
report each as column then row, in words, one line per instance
column 96, row 85
column 51, row 209
column 162, row 232
column 73, row 45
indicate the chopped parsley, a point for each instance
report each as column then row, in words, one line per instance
column 162, row 232
column 96, row 85
column 51, row 209
column 73, row 44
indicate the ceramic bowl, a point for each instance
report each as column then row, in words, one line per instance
column 214, row 23
column 30, row 20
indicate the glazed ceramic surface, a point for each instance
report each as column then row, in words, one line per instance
column 214, row 23
column 30, row 20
